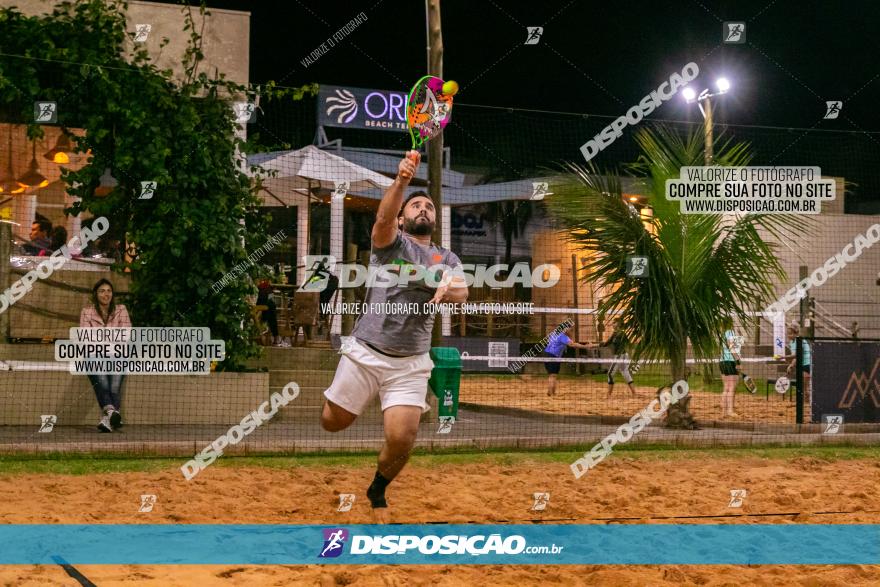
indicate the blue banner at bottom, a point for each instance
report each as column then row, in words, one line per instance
column 656, row 544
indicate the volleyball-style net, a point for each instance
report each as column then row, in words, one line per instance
column 236, row 358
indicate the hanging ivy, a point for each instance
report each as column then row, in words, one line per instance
column 143, row 124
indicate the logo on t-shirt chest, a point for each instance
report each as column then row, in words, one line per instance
column 399, row 266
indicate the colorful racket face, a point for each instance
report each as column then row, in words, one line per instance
column 428, row 110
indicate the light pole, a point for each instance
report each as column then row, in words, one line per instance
column 705, row 97
column 435, row 145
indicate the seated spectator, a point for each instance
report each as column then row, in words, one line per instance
column 104, row 312
column 59, row 238
column 40, row 241
column 270, row 316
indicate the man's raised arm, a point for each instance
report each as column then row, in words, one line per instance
column 385, row 227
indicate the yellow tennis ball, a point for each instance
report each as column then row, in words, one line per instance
column 450, row 88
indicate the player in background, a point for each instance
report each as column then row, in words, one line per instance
column 731, row 346
column 806, row 361
column 557, row 342
column 619, row 345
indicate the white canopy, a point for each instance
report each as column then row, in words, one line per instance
column 309, row 167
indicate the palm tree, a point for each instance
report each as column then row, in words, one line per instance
column 514, row 216
column 702, row 267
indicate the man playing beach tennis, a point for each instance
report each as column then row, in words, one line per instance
column 388, row 353
column 558, row 341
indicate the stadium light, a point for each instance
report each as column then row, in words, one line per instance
column 704, row 98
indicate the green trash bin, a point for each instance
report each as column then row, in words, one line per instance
column 445, row 379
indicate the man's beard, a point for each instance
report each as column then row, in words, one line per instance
column 415, row 228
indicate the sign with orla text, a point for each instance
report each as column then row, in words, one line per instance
column 349, row 107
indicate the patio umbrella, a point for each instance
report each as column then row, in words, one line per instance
column 297, row 172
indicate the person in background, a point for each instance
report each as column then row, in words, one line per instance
column 317, row 273
column 269, row 316
column 557, row 342
column 618, row 344
column 40, row 241
column 58, row 239
column 806, row 360
column 104, row 312
column 731, row 347
column 113, row 249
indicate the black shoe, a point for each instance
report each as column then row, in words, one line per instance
column 115, row 419
column 376, row 495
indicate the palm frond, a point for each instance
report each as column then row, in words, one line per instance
column 702, row 267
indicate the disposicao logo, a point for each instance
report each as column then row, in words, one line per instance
column 453, row 544
column 334, row 541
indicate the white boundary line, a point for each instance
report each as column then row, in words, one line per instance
column 514, row 359
column 505, row 308
column 32, row 366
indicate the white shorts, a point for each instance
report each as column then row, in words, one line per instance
column 362, row 373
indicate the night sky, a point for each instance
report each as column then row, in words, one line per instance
column 593, row 57
column 596, row 57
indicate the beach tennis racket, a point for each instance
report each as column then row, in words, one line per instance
column 782, row 385
column 429, row 108
column 749, row 383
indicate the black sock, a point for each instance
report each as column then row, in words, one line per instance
column 376, row 491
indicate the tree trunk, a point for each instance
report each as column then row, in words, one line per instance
column 678, row 415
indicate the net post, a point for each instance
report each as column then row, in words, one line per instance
column 5, row 273
column 577, row 320
column 435, row 145
column 799, row 394
column 337, row 238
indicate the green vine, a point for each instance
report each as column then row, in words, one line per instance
column 144, row 125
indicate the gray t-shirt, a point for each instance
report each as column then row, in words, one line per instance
column 406, row 328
